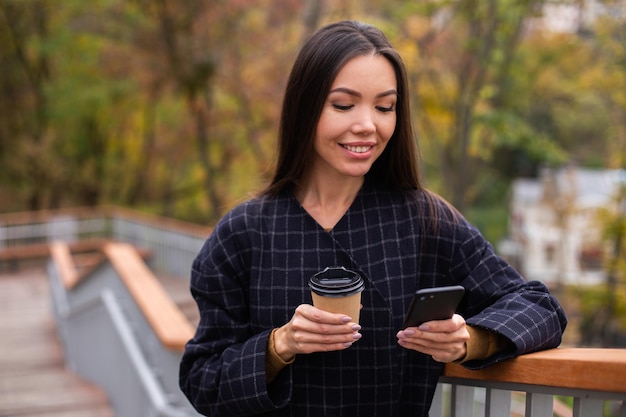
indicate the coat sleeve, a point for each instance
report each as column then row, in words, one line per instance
column 222, row 370
column 499, row 299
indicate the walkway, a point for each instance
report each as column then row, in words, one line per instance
column 33, row 379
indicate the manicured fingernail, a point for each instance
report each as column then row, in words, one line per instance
column 347, row 344
column 409, row 332
column 346, row 319
column 356, row 328
column 357, row 336
column 424, row 327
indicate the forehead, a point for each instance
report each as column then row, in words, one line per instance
column 367, row 72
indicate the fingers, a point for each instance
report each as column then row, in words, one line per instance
column 444, row 340
column 316, row 315
column 444, row 326
column 313, row 330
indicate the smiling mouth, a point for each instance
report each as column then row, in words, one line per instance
column 357, row 149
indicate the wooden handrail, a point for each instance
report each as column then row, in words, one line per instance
column 40, row 216
column 62, row 258
column 168, row 322
column 575, row 368
column 42, row 250
column 166, row 319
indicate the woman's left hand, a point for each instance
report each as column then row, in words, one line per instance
column 444, row 340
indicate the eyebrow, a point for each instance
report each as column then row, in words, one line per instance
column 357, row 94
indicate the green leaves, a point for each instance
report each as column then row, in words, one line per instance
column 507, row 130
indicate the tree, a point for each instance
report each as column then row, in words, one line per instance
column 467, row 61
column 173, row 106
column 25, row 121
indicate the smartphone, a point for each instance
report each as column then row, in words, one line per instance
column 439, row 303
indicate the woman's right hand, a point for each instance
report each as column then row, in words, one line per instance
column 313, row 330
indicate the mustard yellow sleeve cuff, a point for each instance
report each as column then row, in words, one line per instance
column 273, row 363
column 482, row 344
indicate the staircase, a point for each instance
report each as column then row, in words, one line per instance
column 33, row 379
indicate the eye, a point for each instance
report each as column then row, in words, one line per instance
column 386, row 109
column 342, row 107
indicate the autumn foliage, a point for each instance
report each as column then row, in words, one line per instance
column 171, row 106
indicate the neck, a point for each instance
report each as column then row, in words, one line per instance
column 328, row 193
column 328, row 201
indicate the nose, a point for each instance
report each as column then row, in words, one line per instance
column 364, row 123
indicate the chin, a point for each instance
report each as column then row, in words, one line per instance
column 356, row 174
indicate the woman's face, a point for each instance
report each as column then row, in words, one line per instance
column 358, row 117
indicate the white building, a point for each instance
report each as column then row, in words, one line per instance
column 571, row 17
column 555, row 231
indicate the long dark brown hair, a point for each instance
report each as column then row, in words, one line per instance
column 319, row 61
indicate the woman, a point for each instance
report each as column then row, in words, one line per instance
column 347, row 192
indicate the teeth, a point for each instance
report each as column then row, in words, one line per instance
column 357, row 149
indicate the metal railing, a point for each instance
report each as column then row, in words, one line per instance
column 497, row 391
column 173, row 244
column 111, row 338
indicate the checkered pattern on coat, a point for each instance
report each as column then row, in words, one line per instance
column 253, row 272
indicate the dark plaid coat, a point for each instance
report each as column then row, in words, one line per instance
column 253, row 271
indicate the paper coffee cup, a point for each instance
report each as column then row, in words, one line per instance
column 337, row 290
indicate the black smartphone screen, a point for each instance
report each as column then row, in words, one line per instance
column 439, row 303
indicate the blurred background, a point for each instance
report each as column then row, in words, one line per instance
column 171, row 108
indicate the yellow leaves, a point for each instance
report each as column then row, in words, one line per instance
column 409, row 51
column 417, row 26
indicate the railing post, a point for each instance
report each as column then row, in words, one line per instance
column 462, row 401
column 587, row 407
column 3, row 235
column 496, row 402
column 539, row 405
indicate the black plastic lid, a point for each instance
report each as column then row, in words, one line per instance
column 336, row 282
